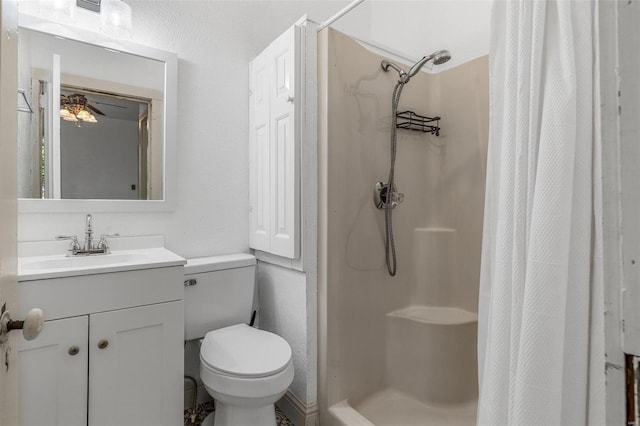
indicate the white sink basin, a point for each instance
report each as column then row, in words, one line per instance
column 37, row 265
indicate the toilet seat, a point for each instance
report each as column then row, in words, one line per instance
column 245, row 352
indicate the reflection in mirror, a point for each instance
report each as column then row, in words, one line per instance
column 97, row 127
column 103, row 145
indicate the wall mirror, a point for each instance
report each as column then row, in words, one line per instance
column 96, row 127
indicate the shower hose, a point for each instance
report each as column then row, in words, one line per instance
column 389, row 243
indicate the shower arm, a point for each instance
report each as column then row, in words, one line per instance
column 386, row 65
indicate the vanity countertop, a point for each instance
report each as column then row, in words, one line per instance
column 43, row 260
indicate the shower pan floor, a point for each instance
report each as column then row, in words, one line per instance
column 392, row 408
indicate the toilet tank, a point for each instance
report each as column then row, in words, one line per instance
column 218, row 292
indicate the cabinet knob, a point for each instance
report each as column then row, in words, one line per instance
column 73, row 350
column 103, row 343
column 290, row 99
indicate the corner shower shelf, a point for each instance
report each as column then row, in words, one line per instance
column 411, row 121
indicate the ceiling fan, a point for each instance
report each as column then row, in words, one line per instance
column 76, row 108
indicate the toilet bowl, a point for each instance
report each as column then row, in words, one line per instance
column 244, row 369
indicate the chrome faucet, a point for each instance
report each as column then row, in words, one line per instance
column 89, row 248
column 88, row 234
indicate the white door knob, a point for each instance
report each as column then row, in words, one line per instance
column 31, row 326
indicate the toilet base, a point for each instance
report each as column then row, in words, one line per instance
column 233, row 415
column 209, row 420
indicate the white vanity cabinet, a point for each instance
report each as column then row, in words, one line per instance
column 111, row 351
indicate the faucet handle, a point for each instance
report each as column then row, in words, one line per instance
column 102, row 236
column 74, row 246
column 103, row 244
column 73, row 238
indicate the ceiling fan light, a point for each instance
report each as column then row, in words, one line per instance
column 70, row 117
column 64, row 112
column 84, row 115
column 91, row 119
column 115, row 18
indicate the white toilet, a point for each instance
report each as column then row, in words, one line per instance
column 244, row 369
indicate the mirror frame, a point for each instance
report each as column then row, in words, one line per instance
column 39, row 205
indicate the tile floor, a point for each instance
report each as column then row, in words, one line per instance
column 202, row 410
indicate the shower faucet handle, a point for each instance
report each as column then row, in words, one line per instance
column 382, row 196
column 396, row 199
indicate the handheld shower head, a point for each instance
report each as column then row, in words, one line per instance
column 441, row 56
column 438, row 58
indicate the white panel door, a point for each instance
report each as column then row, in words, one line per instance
column 53, row 374
column 8, row 204
column 259, row 152
column 286, row 91
column 136, row 369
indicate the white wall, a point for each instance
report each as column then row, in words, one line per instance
column 414, row 29
column 281, row 292
column 419, row 28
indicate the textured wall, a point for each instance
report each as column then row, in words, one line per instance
column 282, row 296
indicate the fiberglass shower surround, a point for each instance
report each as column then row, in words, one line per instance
column 386, row 196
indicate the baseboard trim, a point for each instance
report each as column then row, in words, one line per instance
column 297, row 411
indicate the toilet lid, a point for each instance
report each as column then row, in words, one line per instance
column 245, row 351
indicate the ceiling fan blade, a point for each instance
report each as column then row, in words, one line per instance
column 94, row 109
column 111, row 105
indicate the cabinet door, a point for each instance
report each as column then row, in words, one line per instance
column 284, row 55
column 136, row 368
column 274, row 147
column 53, row 374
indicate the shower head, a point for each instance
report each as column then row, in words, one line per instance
column 441, row 56
column 438, row 58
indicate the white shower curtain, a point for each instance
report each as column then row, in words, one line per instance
column 540, row 338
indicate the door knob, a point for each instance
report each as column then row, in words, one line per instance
column 31, row 326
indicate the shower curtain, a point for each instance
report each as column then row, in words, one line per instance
column 541, row 339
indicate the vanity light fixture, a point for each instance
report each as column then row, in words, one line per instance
column 57, row 10
column 115, row 18
column 75, row 108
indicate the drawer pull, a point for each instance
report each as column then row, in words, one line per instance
column 103, row 343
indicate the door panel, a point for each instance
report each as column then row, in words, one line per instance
column 53, row 377
column 285, row 144
column 137, row 361
column 259, row 154
column 8, row 204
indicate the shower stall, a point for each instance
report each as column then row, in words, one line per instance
column 398, row 349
